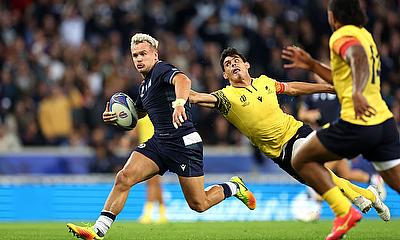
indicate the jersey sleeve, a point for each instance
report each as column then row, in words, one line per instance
column 166, row 72
column 223, row 104
column 341, row 45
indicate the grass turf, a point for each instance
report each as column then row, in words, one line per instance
column 366, row 229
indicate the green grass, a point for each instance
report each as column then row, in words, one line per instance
column 366, row 229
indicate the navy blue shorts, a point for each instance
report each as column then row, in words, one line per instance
column 183, row 156
column 377, row 143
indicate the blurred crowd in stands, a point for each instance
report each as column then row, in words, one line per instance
column 61, row 60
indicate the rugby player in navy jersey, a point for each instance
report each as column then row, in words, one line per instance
column 175, row 146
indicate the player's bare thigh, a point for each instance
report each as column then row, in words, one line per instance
column 311, row 148
column 139, row 168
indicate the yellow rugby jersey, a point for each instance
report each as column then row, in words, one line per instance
column 255, row 111
column 145, row 129
column 343, row 82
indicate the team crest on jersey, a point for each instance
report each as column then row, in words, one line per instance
column 244, row 101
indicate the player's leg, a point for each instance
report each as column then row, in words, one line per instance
column 363, row 198
column 156, row 181
column 200, row 199
column 138, row 168
column 197, row 197
column 309, row 163
column 392, row 177
column 154, row 194
column 343, row 169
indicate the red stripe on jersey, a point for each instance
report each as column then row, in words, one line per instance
column 346, row 45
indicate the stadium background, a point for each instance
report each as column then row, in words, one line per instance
column 61, row 60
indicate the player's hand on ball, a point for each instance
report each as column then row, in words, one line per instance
column 109, row 117
column 179, row 116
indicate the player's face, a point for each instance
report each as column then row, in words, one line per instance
column 144, row 57
column 235, row 70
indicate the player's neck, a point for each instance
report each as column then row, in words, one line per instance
column 244, row 82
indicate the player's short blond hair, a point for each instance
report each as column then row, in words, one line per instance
column 142, row 37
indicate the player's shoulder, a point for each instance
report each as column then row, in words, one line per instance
column 347, row 31
column 263, row 78
column 225, row 90
column 162, row 66
column 264, row 81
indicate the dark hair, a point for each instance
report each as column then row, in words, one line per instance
column 230, row 52
column 348, row 12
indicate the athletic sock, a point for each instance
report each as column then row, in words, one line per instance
column 104, row 222
column 148, row 209
column 344, row 186
column 337, row 201
column 233, row 187
column 350, row 190
column 364, row 192
column 163, row 211
column 227, row 190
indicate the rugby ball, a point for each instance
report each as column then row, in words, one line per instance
column 124, row 107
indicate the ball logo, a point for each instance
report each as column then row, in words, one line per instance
column 123, row 114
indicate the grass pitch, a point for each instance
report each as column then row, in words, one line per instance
column 366, row 229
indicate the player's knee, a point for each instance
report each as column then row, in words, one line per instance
column 197, row 206
column 123, row 181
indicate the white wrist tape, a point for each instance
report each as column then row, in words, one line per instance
column 178, row 102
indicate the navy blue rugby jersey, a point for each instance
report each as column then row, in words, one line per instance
column 156, row 94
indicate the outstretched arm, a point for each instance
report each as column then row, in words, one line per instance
column 302, row 88
column 302, row 59
column 203, row 99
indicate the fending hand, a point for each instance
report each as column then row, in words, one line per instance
column 179, row 116
column 298, row 58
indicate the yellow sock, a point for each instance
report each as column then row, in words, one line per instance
column 344, row 186
column 362, row 191
column 148, row 208
column 163, row 211
column 351, row 191
column 337, row 201
column 145, row 218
